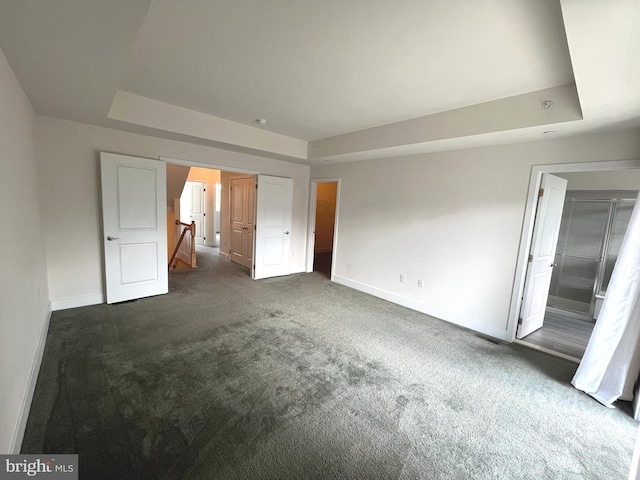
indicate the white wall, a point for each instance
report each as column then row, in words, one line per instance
column 616, row 180
column 451, row 219
column 24, row 298
column 71, row 198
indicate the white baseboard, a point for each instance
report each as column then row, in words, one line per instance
column 466, row 322
column 74, row 302
column 18, row 436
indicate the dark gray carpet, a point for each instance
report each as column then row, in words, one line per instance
column 297, row 377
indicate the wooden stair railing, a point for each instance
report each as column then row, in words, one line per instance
column 188, row 227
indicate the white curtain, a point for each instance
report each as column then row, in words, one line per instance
column 611, row 363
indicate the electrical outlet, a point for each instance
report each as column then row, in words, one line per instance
column 403, row 278
column 420, row 283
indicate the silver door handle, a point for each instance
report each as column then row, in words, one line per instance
column 553, row 265
column 286, row 233
column 111, row 239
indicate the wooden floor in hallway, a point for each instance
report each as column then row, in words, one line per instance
column 562, row 334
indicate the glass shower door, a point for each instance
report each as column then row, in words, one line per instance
column 580, row 243
column 620, row 221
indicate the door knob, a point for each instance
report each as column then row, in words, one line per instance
column 111, row 239
column 286, row 233
column 553, row 265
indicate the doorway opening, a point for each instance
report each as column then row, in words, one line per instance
column 258, row 237
column 599, row 200
column 593, row 225
column 323, row 207
column 202, row 195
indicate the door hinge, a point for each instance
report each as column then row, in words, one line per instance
column 204, row 214
column 531, row 258
column 256, row 186
column 541, row 192
column 520, row 321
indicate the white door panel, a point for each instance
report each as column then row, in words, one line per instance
column 135, row 230
column 137, row 261
column 192, row 202
column 542, row 257
column 197, row 209
column 273, row 226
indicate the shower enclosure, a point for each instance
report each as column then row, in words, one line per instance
column 593, row 225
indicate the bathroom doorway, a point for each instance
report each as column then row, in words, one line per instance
column 595, row 216
column 591, row 232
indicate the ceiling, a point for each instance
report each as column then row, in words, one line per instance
column 335, row 80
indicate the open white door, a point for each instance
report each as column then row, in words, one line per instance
column 273, row 226
column 192, row 205
column 542, row 254
column 135, row 227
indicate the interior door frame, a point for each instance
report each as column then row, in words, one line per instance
column 211, row 166
column 535, row 181
column 311, row 224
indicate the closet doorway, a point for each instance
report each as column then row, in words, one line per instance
column 323, row 222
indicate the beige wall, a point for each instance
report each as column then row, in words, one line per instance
column 325, row 215
column 451, row 219
column 198, row 174
column 171, row 233
column 24, row 298
column 71, row 198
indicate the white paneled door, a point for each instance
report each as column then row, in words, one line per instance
column 192, row 205
column 242, row 220
column 135, row 227
column 273, row 226
column 542, row 254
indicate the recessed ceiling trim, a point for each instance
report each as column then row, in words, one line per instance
column 139, row 110
column 512, row 113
